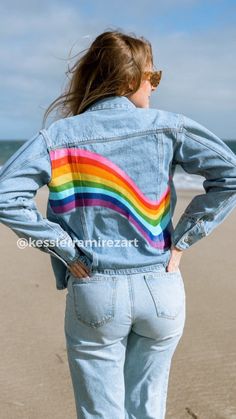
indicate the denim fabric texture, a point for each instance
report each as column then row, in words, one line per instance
column 121, row 333
column 109, row 173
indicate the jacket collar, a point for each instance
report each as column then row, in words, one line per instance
column 112, row 102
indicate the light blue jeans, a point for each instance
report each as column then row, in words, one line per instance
column 121, row 333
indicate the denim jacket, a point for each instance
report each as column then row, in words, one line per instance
column 109, row 173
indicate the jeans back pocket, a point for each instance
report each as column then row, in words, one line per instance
column 95, row 299
column 167, row 291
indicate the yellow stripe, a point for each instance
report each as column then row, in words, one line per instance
column 153, row 214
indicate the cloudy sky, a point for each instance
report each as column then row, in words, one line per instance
column 194, row 43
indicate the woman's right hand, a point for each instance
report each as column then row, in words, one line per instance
column 174, row 261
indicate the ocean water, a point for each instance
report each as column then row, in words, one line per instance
column 182, row 180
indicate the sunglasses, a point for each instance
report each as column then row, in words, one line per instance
column 154, row 77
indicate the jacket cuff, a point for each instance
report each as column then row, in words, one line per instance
column 187, row 232
column 65, row 250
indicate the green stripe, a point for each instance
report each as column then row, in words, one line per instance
column 88, row 183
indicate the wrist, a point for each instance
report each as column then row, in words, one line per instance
column 173, row 247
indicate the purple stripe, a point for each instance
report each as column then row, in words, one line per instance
column 98, row 202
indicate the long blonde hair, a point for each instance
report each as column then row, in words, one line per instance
column 111, row 65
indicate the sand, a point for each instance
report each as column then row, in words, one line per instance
column 34, row 375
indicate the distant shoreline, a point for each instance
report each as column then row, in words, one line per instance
column 182, row 179
column 23, row 140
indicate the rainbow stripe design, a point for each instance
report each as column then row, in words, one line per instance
column 84, row 178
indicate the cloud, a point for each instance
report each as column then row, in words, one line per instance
column 37, row 40
column 34, row 57
column 199, row 77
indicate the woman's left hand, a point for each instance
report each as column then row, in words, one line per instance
column 79, row 269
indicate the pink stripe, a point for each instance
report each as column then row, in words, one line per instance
column 59, row 153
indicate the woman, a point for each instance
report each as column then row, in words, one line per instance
column 109, row 163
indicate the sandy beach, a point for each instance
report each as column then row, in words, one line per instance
column 34, row 375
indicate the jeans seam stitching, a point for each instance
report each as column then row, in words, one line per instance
column 131, row 298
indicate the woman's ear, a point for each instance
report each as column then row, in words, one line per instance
column 128, row 89
column 131, row 85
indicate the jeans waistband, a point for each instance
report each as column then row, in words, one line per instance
column 139, row 269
